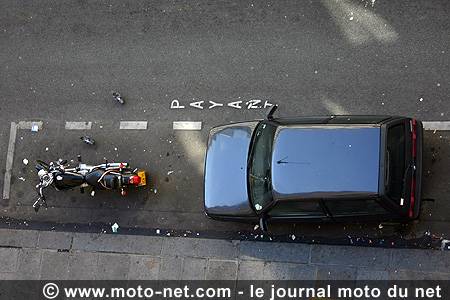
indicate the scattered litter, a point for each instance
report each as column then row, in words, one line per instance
column 25, row 161
column 293, row 237
column 21, row 178
column 158, row 231
column 170, row 172
column 35, row 128
column 258, row 206
column 87, row 140
column 256, row 227
column 115, row 227
column 93, row 193
column 380, row 226
column 46, row 148
column 421, row 99
column 445, row 245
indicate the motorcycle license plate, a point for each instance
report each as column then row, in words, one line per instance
column 142, row 176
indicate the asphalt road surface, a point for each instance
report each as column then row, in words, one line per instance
column 210, row 62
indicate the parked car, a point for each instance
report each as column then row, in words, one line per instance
column 315, row 169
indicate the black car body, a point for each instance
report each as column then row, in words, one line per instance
column 315, row 169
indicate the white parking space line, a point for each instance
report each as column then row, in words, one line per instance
column 9, row 161
column 10, row 154
column 187, row 125
column 136, row 125
column 78, row 125
column 436, row 125
column 29, row 124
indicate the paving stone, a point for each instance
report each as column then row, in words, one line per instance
column 251, row 270
column 18, row 238
column 6, row 276
column 302, row 272
column 55, row 240
column 335, row 273
column 370, row 274
column 197, row 247
column 421, row 260
column 54, row 265
column 8, row 259
column 117, row 243
column 170, row 268
column 350, row 256
column 221, row 270
column 82, row 265
column 418, row 275
column 194, row 269
column 144, row 267
column 276, row 271
column 278, row 252
column 113, row 266
column 29, row 263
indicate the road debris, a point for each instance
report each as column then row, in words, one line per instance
column 87, row 140
column 445, row 245
column 118, row 98
column 115, row 227
column 25, row 161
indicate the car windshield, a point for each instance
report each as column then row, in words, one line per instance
column 260, row 166
column 395, row 156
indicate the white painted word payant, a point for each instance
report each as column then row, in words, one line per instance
column 251, row 104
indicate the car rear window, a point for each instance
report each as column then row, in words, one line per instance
column 395, row 162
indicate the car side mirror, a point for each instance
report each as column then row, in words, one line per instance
column 263, row 224
column 271, row 111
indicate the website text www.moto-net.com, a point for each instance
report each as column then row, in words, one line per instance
column 247, row 290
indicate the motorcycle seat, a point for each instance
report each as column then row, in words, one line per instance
column 111, row 181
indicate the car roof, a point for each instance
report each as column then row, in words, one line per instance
column 323, row 161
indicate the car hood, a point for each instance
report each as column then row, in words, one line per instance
column 226, row 170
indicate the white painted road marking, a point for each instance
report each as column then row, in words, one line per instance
column 10, row 153
column 187, row 125
column 436, row 125
column 78, row 125
column 137, row 125
column 29, row 124
column 9, row 161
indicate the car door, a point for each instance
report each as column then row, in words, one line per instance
column 357, row 210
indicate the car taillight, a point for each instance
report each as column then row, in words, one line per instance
column 135, row 179
column 413, row 184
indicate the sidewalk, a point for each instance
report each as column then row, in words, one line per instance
column 47, row 255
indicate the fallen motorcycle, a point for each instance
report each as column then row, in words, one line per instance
column 103, row 176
